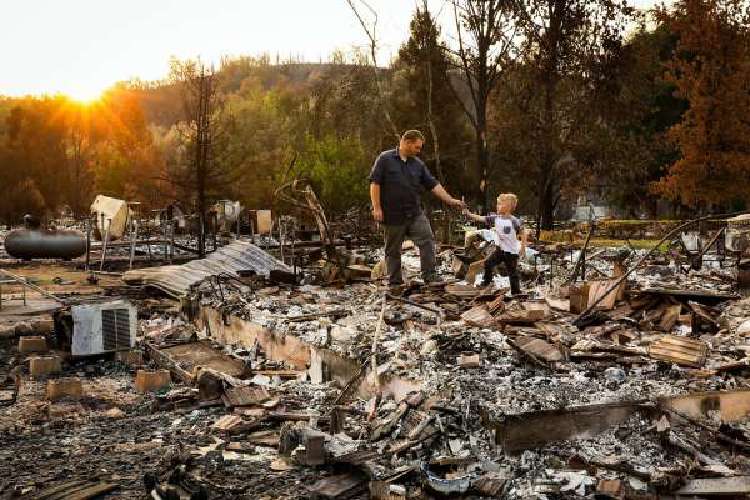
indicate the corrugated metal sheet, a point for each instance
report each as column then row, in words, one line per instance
column 230, row 259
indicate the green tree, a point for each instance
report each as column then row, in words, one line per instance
column 337, row 168
column 423, row 99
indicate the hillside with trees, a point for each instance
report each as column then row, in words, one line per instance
column 549, row 99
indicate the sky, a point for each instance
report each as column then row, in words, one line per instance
column 81, row 47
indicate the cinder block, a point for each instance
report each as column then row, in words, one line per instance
column 44, row 365
column 151, row 380
column 42, row 325
column 130, row 358
column 64, row 388
column 7, row 331
column 32, row 343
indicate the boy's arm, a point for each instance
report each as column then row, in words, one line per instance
column 522, row 236
column 475, row 217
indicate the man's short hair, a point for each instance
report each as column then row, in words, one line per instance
column 413, row 135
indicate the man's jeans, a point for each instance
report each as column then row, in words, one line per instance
column 419, row 231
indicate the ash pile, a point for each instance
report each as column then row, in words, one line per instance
column 618, row 373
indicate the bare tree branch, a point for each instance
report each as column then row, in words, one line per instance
column 373, row 54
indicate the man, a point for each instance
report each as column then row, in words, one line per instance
column 397, row 180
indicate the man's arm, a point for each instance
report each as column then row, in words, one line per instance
column 443, row 195
column 377, row 176
column 377, row 209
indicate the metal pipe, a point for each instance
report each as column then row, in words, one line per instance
column 88, row 243
column 104, row 244
column 133, row 238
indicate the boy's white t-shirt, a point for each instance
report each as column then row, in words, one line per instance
column 506, row 229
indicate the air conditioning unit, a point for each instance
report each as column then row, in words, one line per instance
column 103, row 327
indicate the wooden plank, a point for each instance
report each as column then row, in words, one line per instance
column 530, row 430
column 692, row 361
column 669, row 318
column 737, row 485
column 579, row 298
column 264, row 438
column 52, row 491
column 597, row 289
column 478, row 316
column 473, row 270
column 665, row 351
column 92, row 491
column 679, row 350
column 246, row 395
column 462, row 290
column 336, row 486
column 74, row 490
column 697, row 295
column 686, row 358
column 733, row 406
column 539, row 348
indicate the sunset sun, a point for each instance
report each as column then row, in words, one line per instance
column 84, row 94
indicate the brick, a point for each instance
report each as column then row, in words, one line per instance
column 130, row 358
column 469, row 361
column 151, row 380
column 32, row 343
column 60, row 388
column 44, row 365
column 611, row 487
column 315, row 453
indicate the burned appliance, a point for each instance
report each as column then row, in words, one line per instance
column 102, row 327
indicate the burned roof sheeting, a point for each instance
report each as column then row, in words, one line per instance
column 231, row 259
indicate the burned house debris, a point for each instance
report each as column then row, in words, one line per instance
column 281, row 368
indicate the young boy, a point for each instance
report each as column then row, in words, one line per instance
column 511, row 240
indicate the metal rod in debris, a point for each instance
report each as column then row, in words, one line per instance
column 104, row 244
column 653, row 249
column 24, row 282
column 378, row 329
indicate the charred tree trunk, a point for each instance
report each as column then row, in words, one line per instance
column 548, row 171
column 483, row 165
column 202, row 155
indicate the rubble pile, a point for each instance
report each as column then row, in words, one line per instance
column 629, row 383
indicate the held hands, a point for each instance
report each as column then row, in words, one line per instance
column 457, row 203
column 377, row 214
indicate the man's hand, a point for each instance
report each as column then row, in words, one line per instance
column 377, row 214
column 457, row 203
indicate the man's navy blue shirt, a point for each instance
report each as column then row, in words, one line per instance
column 401, row 185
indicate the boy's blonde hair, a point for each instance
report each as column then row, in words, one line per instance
column 510, row 197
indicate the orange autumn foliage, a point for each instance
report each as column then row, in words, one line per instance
column 711, row 70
